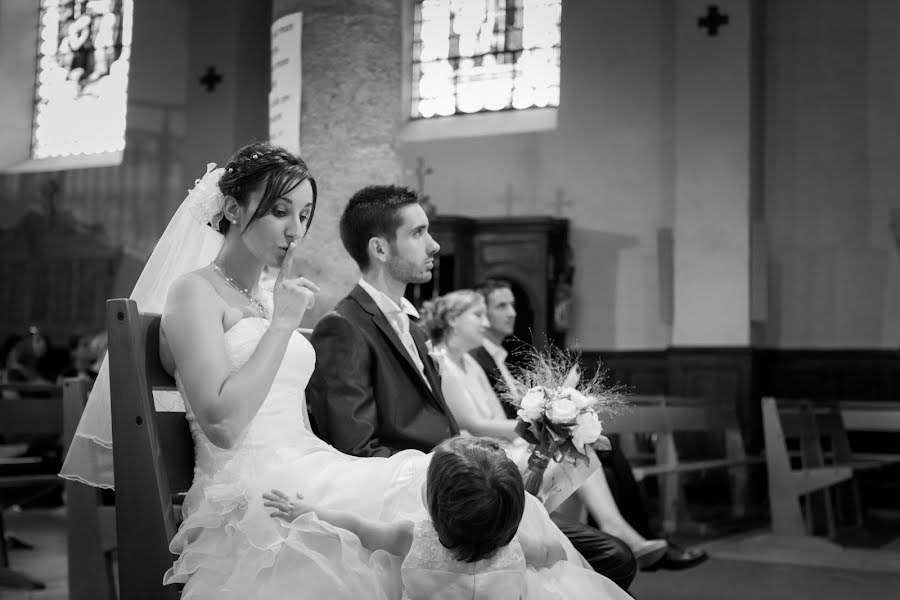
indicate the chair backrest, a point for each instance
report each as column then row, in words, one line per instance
column 669, row 414
column 799, row 432
column 153, row 454
column 30, row 409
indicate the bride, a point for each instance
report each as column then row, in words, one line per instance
column 241, row 369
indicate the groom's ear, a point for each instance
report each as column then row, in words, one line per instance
column 378, row 249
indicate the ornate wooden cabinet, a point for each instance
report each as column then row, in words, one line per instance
column 532, row 253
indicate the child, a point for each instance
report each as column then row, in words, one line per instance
column 475, row 498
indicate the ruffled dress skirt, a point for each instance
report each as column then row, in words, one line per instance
column 229, row 547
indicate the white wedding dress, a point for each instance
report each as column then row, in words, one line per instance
column 229, row 547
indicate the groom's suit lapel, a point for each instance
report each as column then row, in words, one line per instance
column 430, row 370
column 368, row 304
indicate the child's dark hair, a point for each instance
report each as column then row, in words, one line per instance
column 475, row 497
column 267, row 166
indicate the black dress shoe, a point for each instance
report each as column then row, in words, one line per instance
column 678, row 558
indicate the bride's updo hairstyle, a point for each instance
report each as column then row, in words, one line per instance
column 267, row 166
column 475, row 496
column 436, row 314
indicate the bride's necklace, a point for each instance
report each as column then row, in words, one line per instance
column 253, row 300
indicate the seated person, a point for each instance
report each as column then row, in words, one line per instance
column 456, row 322
column 472, row 545
column 493, row 358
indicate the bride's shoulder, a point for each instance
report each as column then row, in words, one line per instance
column 193, row 289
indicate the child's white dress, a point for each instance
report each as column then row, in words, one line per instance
column 429, row 572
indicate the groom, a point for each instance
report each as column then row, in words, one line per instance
column 375, row 390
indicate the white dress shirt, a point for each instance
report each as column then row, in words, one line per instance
column 398, row 317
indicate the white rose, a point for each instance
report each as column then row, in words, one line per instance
column 580, row 400
column 562, row 411
column 587, row 429
column 532, row 406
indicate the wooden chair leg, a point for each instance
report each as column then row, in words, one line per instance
column 787, row 518
column 738, row 477
column 88, row 563
column 670, row 494
column 784, row 504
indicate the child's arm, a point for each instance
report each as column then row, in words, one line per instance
column 541, row 553
column 395, row 538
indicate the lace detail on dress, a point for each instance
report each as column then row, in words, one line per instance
column 427, row 552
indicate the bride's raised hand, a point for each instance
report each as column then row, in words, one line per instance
column 293, row 295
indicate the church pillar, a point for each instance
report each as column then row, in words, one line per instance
column 717, row 102
column 715, row 157
column 350, row 114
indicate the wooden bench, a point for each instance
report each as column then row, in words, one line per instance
column 808, row 453
column 153, row 453
column 667, row 416
column 25, row 410
column 90, row 526
column 872, row 416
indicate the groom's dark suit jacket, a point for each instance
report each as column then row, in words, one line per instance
column 366, row 397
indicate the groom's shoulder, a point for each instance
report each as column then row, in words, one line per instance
column 346, row 312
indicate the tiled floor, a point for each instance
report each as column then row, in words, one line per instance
column 742, row 567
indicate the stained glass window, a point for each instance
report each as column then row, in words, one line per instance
column 82, row 77
column 484, row 55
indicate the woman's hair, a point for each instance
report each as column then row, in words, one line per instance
column 373, row 211
column 475, row 497
column 437, row 313
column 265, row 165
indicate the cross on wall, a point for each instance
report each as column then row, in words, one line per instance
column 712, row 21
column 560, row 203
column 211, row 79
column 421, row 171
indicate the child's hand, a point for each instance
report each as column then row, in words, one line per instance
column 285, row 508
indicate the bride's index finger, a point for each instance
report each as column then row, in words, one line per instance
column 287, row 264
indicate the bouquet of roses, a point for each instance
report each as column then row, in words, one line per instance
column 560, row 412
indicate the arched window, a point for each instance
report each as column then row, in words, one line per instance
column 473, row 56
column 84, row 49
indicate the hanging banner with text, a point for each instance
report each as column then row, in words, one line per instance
column 284, row 97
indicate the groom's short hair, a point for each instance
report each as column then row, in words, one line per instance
column 373, row 211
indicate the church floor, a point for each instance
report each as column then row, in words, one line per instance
column 739, row 569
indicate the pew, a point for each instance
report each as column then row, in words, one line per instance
column 153, row 453
column 666, row 416
column 25, row 410
column 90, row 526
column 808, row 454
column 872, row 416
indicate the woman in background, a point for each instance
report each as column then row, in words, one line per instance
column 456, row 323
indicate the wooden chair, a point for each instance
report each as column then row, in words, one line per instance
column 667, row 416
column 90, row 526
column 153, row 453
column 797, row 474
column 25, row 410
column 808, row 455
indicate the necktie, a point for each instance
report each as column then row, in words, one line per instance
column 400, row 322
